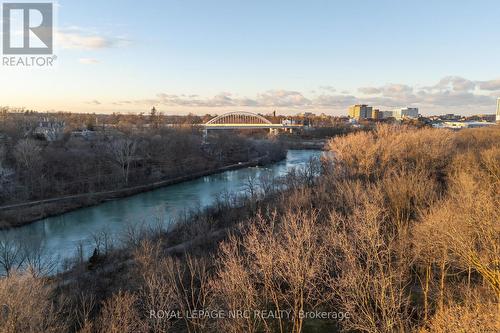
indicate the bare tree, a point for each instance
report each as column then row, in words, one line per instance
column 27, row 306
column 2, row 158
column 476, row 317
column 102, row 241
column 235, row 289
column 120, row 315
column 190, row 283
column 27, row 153
column 467, row 221
column 12, row 255
column 4, row 170
column 280, row 264
column 251, row 187
column 84, row 308
column 122, row 152
column 372, row 272
column 37, row 261
column 156, row 292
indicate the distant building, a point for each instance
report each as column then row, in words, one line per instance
column 49, row 129
column 386, row 114
column 403, row 113
column 86, row 134
column 462, row 124
column 287, row 122
column 360, row 111
column 409, row 113
column 306, row 115
column 498, row 110
column 451, row 117
column 482, row 117
column 363, row 111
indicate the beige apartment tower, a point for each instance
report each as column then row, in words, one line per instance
column 498, row 110
column 360, row 111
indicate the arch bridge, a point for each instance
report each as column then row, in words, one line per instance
column 245, row 120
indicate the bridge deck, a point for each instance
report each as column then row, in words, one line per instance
column 236, row 126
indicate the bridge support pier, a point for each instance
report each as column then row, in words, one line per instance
column 273, row 131
column 205, row 136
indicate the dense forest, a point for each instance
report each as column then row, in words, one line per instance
column 399, row 232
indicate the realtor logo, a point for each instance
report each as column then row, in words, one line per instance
column 27, row 28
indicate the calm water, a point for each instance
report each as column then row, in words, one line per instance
column 60, row 236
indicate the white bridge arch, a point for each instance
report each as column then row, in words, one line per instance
column 245, row 120
column 239, row 118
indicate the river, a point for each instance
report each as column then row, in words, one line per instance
column 60, row 237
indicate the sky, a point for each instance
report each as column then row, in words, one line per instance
column 291, row 56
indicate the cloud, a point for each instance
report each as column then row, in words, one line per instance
column 121, row 103
column 489, row 85
column 454, row 83
column 454, row 99
column 94, row 102
column 370, row 90
column 282, row 98
column 390, row 90
column 328, row 88
column 336, row 101
column 397, row 90
column 78, row 38
column 220, row 100
column 449, row 92
column 271, row 98
column 456, row 91
column 88, row 61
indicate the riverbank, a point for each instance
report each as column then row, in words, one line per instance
column 17, row 215
column 301, row 144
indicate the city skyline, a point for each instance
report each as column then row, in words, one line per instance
column 316, row 56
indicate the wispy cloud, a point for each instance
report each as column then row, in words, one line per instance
column 78, row 38
column 489, row 85
column 94, row 102
column 88, row 61
column 328, row 88
column 453, row 83
column 283, row 98
column 370, row 90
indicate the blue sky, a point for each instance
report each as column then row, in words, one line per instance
column 292, row 56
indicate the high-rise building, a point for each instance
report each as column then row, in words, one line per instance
column 405, row 113
column 409, row 113
column 360, row 111
column 498, row 110
column 386, row 114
